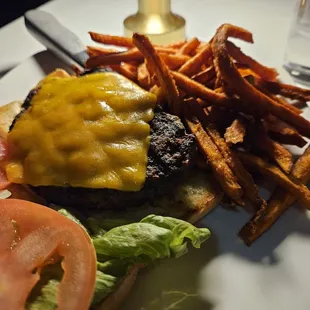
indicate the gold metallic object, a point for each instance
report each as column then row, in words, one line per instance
column 155, row 19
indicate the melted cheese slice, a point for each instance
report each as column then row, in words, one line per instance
column 90, row 131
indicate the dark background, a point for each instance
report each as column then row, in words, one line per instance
column 11, row 9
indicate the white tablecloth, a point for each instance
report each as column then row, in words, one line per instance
column 269, row 20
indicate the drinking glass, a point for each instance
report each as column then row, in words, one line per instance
column 297, row 56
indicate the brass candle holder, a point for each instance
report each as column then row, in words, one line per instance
column 155, row 19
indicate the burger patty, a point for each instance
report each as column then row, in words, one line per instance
column 170, row 153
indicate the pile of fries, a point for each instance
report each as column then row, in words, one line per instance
column 236, row 108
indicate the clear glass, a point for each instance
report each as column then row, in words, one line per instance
column 297, row 56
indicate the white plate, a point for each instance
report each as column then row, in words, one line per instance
column 273, row 274
column 15, row 85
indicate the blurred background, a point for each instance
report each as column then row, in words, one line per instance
column 10, row 10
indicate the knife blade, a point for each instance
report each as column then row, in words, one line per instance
column 56, row 38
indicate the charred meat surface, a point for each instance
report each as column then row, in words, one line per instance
column 171, row 152
column 25, row 105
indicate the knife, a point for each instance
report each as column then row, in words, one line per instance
column 56, row 38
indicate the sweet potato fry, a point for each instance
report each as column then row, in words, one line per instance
column 287, row 136
column 255, row 80
column 111, row 40
column 220, row 116
column 124, row 70
column 280, row 100
column 204, row 76
column 235, row 133
column 279, row 202
column 218, row 46
column 301, row 169
column 219, row 167
column 115, row 58
column 196, row 89
column 159, row 93
column 128, row 70
column 96, row 51
column 177, row 45
column 165, row 50
column 201, row 46
column 236, row 166
column 189, row 47
column 244, row 89
column 174, row 62
column 143, row 76
column 266, row 73
column 246, row 72
column 131, row 55
column 163, row 75
column 193, row 65
column 281, row 132
column 285, row 103
column 292, row 185
column 213, row 97
column 155, row 89
column 274, row 150
column 286, row 90
column 298, row 104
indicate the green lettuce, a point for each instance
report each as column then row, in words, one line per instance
column 115, row 267
column 153, row 237
column 71, row 217
column 120, row 247
column 105, row 284
column 47, row 299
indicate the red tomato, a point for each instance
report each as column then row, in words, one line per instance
column 30, row 235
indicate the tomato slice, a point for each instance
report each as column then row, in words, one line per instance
column 30, row 235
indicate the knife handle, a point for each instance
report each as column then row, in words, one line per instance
column 55, row 37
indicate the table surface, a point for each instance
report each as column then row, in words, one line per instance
column 268, row 20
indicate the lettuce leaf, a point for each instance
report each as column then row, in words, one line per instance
column 47, row 299
column 119, row 248
column 153, row 237
column 105, row 284
column 71, row 217
column 180, row 230
column 115, row 267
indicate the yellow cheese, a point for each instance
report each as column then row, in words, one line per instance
column 90, row 131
